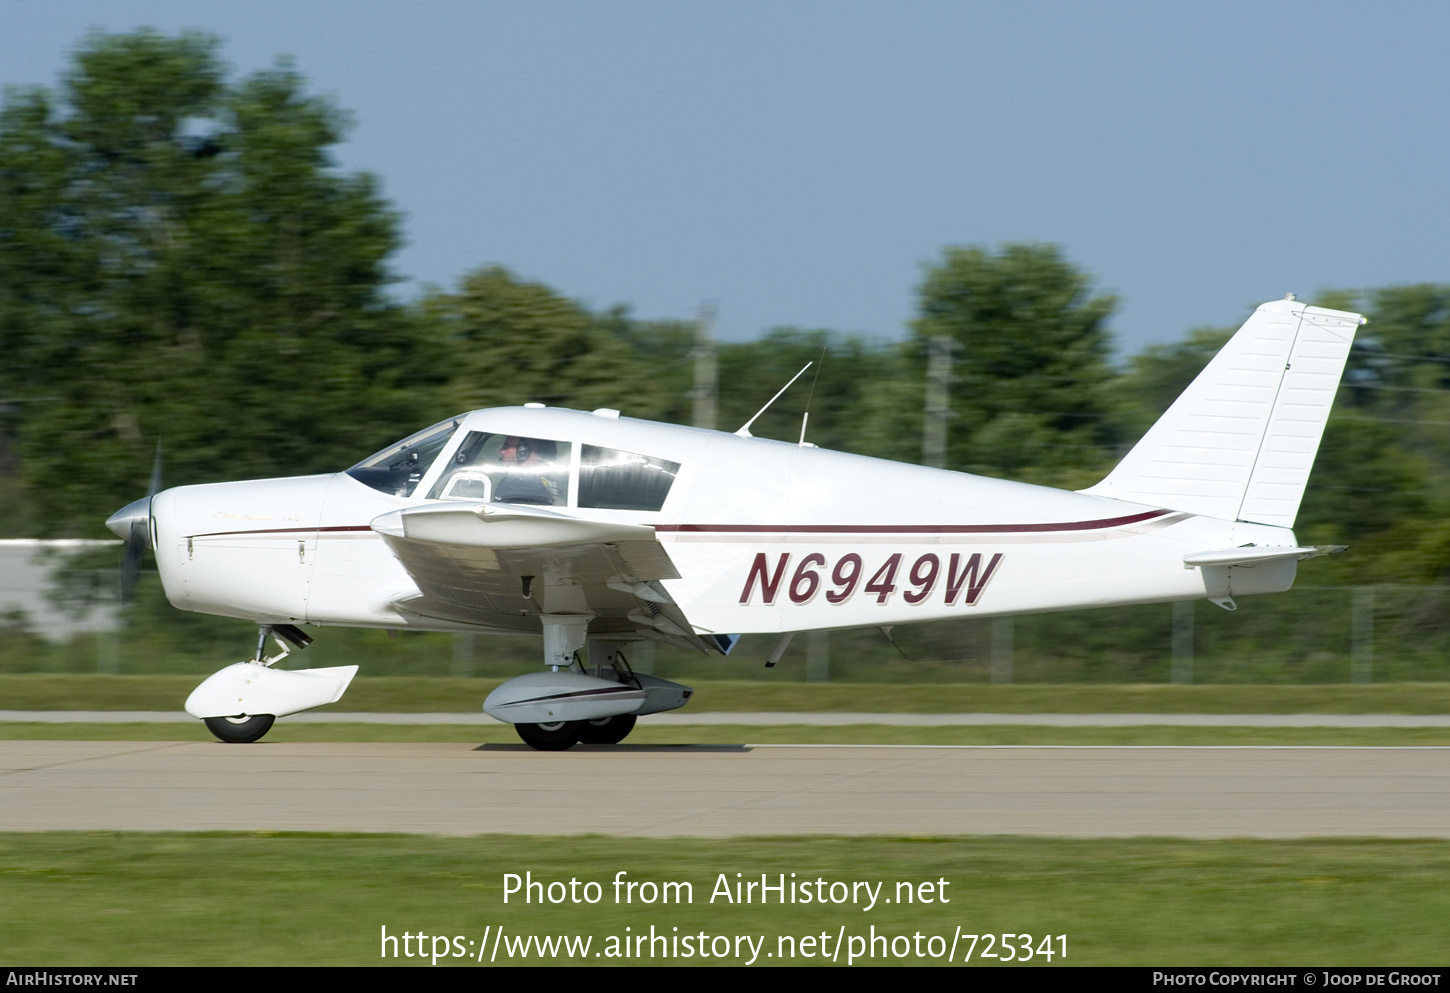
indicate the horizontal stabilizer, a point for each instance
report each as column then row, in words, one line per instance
column 1254, row 555
column 1240, row 442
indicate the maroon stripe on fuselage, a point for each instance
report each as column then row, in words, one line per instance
column 1109, row 522
column 1098, row 525
column 230, row 534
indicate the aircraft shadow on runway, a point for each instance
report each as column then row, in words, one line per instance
column 521, row 747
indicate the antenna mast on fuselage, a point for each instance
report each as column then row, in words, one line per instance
column 744, row 431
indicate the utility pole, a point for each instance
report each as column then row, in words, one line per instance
column 463, row 655
column 1361, row 636
column 938, row 401
column 707, row 371
column 1002, row 648
column 818, row 656
column 1181, row 670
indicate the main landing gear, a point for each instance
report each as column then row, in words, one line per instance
column 552, row 737
column 560, row 735
column 556, row 736
column 607, row 730
column 571, row 703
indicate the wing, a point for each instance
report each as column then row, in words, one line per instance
column 502, row 566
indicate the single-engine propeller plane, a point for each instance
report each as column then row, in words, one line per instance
column 597, row 531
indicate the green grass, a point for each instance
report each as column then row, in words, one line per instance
column 114, row 899
column 791, row 734
column 32, row 691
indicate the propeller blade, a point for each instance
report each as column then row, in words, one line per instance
column 133, row 524
column 131, row 560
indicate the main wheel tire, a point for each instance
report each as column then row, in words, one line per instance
column 239, row 730
column 555, row 737
column 606, row 730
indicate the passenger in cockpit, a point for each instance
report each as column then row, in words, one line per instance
column 533, row 475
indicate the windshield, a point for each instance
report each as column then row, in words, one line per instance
column 398, row 468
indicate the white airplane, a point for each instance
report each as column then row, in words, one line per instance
column 599, row 531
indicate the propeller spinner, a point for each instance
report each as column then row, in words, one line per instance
column 132, row 524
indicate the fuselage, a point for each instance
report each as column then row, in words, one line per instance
column 766, row 536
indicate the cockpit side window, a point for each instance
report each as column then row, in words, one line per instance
column 613, row 480
column 399, row 468
column 499, row 468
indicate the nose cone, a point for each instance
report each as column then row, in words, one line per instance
column 124, row 520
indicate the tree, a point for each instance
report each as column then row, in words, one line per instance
column 514, row 342
column 180, row 260
column 1029, row 396
column 666, row 348
column 1384, row 462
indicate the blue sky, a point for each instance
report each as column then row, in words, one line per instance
column 799, row 162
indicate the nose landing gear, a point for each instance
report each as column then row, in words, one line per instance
column 240, row 703
column 239, row 730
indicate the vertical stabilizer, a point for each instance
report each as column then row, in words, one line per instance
column 1240, row 442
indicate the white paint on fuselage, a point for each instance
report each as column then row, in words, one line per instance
column 240, row 549
column 300, row 549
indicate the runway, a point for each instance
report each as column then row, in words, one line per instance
column 726, row 790
column 776, row 719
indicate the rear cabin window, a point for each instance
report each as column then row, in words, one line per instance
column 615, row 480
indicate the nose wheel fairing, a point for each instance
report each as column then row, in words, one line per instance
column 250, row 689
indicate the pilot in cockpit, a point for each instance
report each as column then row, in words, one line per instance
column 532, row 474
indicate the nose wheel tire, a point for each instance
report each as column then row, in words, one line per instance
column 606, row 730
column 555, row 737
column 239, row 730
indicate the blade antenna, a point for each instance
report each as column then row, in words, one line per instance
column 885, row 629
column 744, row 431
column 806, row 417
